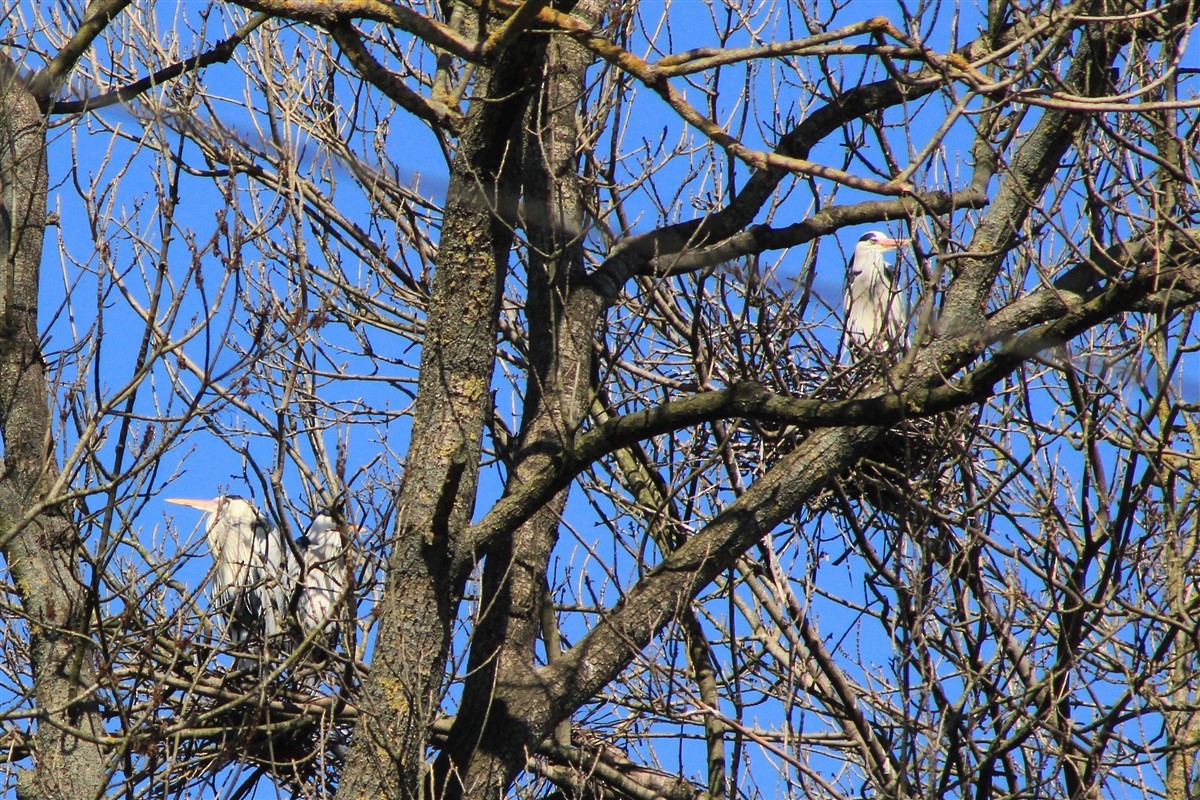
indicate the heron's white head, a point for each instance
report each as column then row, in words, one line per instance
column 232, row 510
column 873, row 245
column 322, row 541
column 232, row 522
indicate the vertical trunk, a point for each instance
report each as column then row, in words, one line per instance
column 428, row 564
column 1179, row 545
column 1182, row 723
column 43, row 552
column 490, row 741
column 1182, row 540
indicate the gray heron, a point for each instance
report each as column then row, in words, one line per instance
column 875, row 314
column 255, row 570
column 323, row 579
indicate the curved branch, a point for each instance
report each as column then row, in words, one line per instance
column 656, row 80
column 1060, row 312
column 761, row 238
column 746, row 400
column 333, row 13
column 627, row 258
column 391, row 85
column 54, row 74
column 219, row 54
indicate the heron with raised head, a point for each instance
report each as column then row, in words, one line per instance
column 255, row 571
column 323, row 578
column 875, row 313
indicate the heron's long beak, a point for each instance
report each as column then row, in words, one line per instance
column 204, row 505
column 890, row 243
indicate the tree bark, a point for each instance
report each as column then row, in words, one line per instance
column 40, row 543
column 490, row 742
column 429, row 562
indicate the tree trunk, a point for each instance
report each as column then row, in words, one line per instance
column 40, row 543
column 491, row 740
column 429, row 564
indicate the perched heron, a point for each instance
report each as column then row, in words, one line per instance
column 255, row 571
column 323, row 579
column 875, row 314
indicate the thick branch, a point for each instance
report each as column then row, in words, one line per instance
column 629, row 257
column 764, row 238
column 429, row 562
column 391, row 85
column 333, row 13
column 1030, row 170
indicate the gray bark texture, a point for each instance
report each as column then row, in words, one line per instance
column 489, row 743
column 430, row 559
column 42, row 548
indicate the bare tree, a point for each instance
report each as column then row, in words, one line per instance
column 542, row 303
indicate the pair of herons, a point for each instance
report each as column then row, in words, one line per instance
column 258, row 576
column 271, row 595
